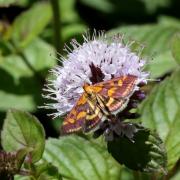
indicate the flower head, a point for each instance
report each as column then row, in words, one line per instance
column 9, row 164
column 97, row 59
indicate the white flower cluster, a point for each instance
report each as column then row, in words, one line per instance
column 109, row 54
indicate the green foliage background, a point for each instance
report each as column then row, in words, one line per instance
column 31, row 34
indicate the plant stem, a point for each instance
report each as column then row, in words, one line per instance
column 57, row 25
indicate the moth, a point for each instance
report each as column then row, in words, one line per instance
column 99, row 102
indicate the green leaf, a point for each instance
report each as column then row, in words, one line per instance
column 168, row 20
column 153, row 5
column 176, row 47
column 68, row 11
column 161, row 111
column 30, row 23
column 40, row 55
column 6, row 3
column 80, row 159
column 157, row 38
column 146, row 153
column 22, row 130
column 21, row 85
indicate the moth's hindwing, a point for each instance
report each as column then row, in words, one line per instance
column 112, row 105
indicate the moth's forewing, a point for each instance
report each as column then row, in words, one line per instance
column 76, row 117
column 84, row 116
column 121, row 87
column 113, row 95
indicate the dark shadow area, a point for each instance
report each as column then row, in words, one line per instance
column 134, row 155
column 47, row 121
column 124, row 12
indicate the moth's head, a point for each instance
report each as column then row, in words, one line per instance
column 87, row 88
